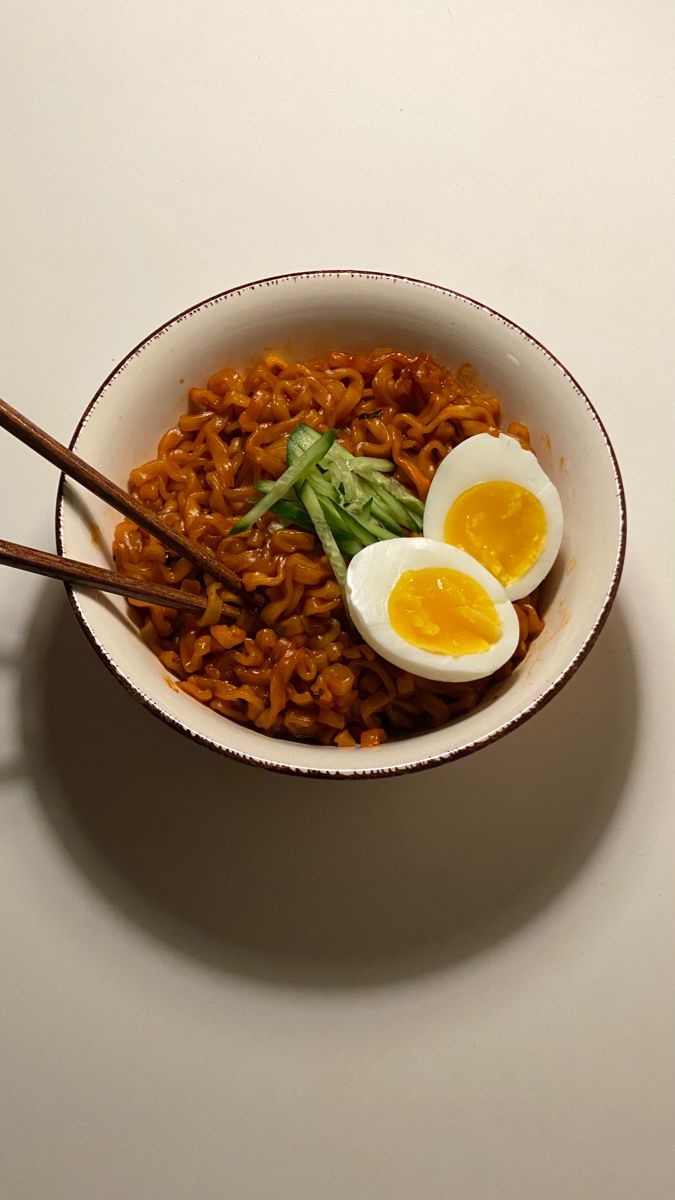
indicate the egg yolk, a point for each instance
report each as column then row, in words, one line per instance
column 443, row 611
column 500, row 524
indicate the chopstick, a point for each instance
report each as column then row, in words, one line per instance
column 91, row 479
column 24, row 558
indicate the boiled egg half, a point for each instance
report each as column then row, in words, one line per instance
column 431, row 609
column 490, row 498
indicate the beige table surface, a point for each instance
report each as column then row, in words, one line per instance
column 215, row 983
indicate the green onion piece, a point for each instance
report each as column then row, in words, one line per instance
column 291, row 476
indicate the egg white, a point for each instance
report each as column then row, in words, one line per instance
column 485, row 458
column 371, row 577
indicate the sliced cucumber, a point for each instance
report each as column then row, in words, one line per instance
column 343, row 524
column 300, row 440
column 413, row 505
column 293, row 514
column 324, row 534
column 363, row 465
column 371, row 466
column 291, row 476
column 348, row 501
column 348, row 546
column 395, row 510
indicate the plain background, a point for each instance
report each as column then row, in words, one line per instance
column 218, row 983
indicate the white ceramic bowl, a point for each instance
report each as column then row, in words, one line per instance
column 305, row 314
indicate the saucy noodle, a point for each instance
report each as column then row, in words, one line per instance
column 296, row 668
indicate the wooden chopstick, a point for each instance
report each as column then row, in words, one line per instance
column 72, row 571
column 68, row 462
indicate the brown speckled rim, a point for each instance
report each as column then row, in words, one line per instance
column 370, row 770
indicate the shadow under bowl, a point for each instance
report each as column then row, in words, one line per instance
column 307, row 314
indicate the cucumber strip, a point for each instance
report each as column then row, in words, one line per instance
column 401, row 493
column 354, row 488
column 324, row 534
column 360, row 496
column 339, row 513
column 380, row 505
column 371, row 466
column 367, row 520
column 397, row 511
column 349, row 546
column 300, row 439
column 385, row 508
column 291, row 511
column 412, row 504
column 382, row 513
column 342, row 522
column 340, row 518
column 346, row 483
column 266, row 485
column 361, row 464
column 291, row 476
column 293, row 514
column 322, row 484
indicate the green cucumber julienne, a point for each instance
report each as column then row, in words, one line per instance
column 324, row 533
column 292, row 475
column 348, row 501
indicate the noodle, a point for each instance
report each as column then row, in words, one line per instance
column 295, row 668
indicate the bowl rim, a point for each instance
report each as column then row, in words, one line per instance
column 368, row 771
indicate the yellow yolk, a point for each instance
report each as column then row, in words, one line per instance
column 443, row 611
column 500, row 524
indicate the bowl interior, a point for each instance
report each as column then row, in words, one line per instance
column 304, row 315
